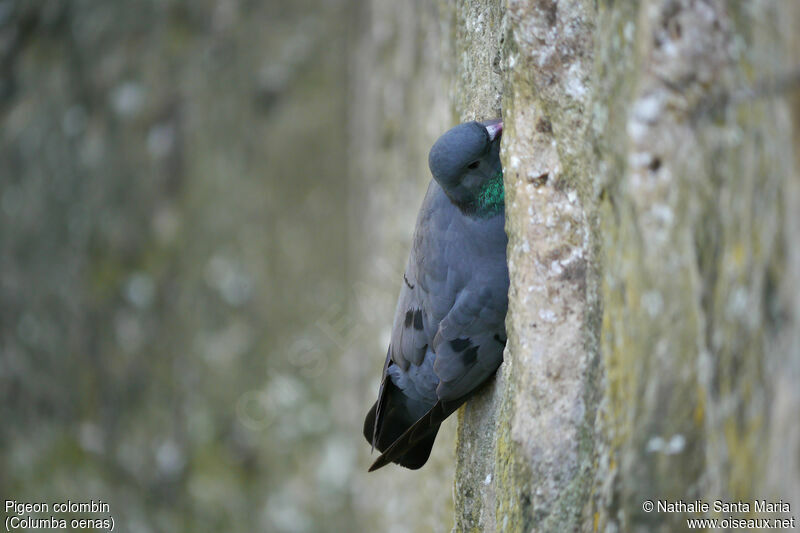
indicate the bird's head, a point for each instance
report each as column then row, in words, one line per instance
column 465, row 161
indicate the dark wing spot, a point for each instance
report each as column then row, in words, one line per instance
column 499, row 339
column 409, row 285
column 459, row 345
column 409, row 318
column 418, row 320
column 470, row 355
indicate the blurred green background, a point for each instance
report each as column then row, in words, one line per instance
column 174, row 264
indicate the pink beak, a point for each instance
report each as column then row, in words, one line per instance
column 495, row 129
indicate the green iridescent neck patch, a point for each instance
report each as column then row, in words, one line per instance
column 491, row 198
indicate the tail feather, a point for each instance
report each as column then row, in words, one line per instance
column 409, row 444
column 390, row 416
column 414, row 457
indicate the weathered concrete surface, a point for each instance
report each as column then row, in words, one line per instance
column 652, row 198
column 696, row 199
column 532, row 469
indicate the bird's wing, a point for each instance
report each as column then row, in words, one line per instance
column 470, row 340
column 411, row 330
column 411, row 333
column 469, row 347
column 415, row 322
column 454, row 298
column 379, row 405
column 426, row 279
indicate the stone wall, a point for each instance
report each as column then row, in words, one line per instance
column 652, row 199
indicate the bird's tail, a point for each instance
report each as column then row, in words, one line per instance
column 402, row 435
column 398, row 414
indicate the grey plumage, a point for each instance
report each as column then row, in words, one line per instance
column 448, row 332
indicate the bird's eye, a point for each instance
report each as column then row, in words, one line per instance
column 474, row 165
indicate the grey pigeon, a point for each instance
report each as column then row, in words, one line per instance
column 449, row 327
